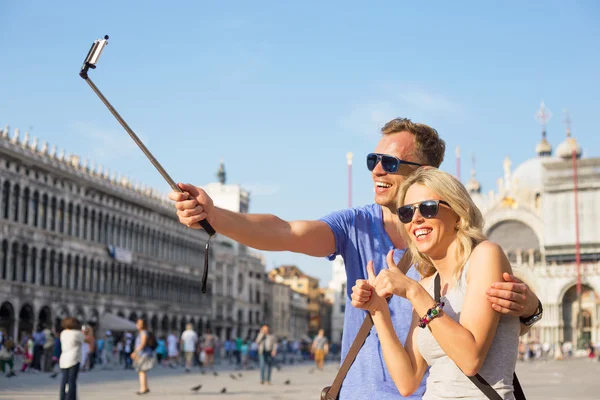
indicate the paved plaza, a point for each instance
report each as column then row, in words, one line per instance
column 554, row 380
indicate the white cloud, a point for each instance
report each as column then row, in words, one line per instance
column 261, row 189
column 392, row 100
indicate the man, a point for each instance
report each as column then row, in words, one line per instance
column 359, row 235
column 320, row 348
column 108, row 350
column 39, row 339
column 267, row 350
column 48, row 349
column 189, row 339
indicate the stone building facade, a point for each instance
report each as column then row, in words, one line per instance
column 239, row 275
column 77, row 241
column 277, row 306
column 238, row 291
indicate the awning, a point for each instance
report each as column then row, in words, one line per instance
column 115, row 323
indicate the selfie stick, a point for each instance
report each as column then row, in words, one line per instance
column 90, row 62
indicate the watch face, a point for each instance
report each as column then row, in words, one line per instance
column 532, row 320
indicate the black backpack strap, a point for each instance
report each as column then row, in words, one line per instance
column 478, row 380
column 518, row 390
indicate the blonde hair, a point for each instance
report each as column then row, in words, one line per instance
column 469, row 233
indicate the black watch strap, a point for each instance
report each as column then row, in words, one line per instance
column 535, row 317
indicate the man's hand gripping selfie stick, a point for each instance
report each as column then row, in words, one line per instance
column 90, row 62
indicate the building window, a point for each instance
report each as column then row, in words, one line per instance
column 5, row 199
column 77, row 221
column 85, row 222
column 69, row 220
column 26, row 205
column 24, row 263
column 15, row 203
column 100, row 228
column 44, row 211
column 4, row 259
column 59, row 273
column 43, row 262
column 69, row 273
column 35, row 207
column 84, row 274
column 53, row 214
column 14, row 260
column 93, row 225
column 586, row 319
column 76, row 274
column 51, row 269
column 33, row 275
column 61, row 217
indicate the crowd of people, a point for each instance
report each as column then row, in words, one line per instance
column 74, row 348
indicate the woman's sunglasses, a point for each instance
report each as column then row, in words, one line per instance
column 428, row 209
column 390, row 164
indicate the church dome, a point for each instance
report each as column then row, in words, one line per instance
column 565, row 149
column 530, row 174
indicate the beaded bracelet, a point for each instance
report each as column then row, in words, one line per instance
column 431, row 314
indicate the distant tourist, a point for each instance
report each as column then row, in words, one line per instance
column 267, row 350
column 143, row 356
column 320, row 348
column 71, row 343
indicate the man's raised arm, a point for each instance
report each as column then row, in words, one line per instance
column 259, row 231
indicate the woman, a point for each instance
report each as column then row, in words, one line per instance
column 142, row 356
column 28, row 354
column 71, row 343
column 443, row 229
column 209, row 349
column 173, row 353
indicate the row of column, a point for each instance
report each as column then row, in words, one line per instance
column 49, row 268
column 48, row 212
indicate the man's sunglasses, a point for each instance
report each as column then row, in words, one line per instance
column 428, row 209
column 390, row 164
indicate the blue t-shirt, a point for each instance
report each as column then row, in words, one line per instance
column 360, row 237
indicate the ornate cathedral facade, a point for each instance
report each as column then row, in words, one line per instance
column 534, row 217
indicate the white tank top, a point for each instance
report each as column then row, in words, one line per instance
column 446, row 380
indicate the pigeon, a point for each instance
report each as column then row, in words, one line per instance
column 196, row 388
column 287, row 382
column 232, row 376
column 312, row 370
column 240, row 374
column 278, row 367
column 54, row 375
column 224, row 390
column 202, row 372
column 215, row 373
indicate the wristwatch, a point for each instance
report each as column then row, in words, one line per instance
column 535, row 317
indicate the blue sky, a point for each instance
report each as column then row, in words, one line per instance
column 283, row 90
